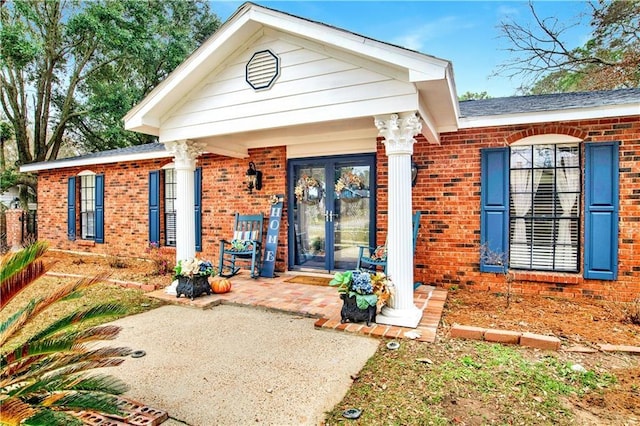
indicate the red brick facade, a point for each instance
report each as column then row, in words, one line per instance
column 126, row 200
column 447, row 192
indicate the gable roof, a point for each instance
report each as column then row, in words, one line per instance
column 433, row 77
column 434, row 92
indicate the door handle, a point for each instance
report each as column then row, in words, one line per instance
column 328, row 216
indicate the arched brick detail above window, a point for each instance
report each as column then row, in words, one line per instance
column 546, row 130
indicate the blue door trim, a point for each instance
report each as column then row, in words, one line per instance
column 329, row 163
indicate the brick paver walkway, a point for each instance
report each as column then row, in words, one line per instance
column 315, row 301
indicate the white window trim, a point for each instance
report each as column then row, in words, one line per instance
column 84, row 214
column 546, row 139
column 549, row 139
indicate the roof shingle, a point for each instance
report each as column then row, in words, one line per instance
column 551, row 102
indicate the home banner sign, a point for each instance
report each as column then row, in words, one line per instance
column 271, row 246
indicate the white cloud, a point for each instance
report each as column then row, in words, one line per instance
column 417, row 35
column 505, row 11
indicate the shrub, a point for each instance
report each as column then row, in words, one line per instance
column 43, row 380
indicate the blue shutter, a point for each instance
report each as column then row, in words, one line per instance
column 99, row 209
column 601, row 211
column 494, row 220
column 197, row 184
column 71, row 208
column 154, row 207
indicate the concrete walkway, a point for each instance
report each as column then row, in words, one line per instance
column 257, row 355
column 234, row 365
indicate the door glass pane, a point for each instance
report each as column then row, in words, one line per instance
column 351, row 213
column 309, row 216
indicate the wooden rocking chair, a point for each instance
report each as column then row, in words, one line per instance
column 378, row 255
column 245, row 246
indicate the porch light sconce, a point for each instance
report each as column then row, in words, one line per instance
column 414, row 173
column 254, row 178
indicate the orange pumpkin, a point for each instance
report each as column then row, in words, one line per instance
column 221, row 286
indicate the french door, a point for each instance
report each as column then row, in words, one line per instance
column 331, row 209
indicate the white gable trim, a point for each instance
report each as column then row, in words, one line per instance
column 242, row 26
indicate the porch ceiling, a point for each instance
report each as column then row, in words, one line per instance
column 307, row 136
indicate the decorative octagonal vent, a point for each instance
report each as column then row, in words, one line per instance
column 262, row 69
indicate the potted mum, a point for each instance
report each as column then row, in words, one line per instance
column 193, row 277
column 361, row 293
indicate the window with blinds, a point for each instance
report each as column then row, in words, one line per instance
column 87, row 206
column 170, row 207
column 544, row 207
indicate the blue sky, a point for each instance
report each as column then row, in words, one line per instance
column 463, row 32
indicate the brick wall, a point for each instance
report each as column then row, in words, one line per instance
column 126, row 208
column 448, row 193
column 224, row 193
column 126, row 203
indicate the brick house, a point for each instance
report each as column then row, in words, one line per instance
column 337, row 123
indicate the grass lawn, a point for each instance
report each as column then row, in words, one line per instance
column 472, row 383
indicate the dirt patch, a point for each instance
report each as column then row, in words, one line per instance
column 575, row 321
column 141, row 271
column 582, row 322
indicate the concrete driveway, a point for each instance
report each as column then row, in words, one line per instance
column 234, row 365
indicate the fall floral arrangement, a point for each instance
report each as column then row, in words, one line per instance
column 194, row 267
column 305, row 183
column 349, row 180
column 369, row 288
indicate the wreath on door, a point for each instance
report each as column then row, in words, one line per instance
column 348, row 187
column 308, row 190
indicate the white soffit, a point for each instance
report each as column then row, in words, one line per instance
column 357, row 146
column 344, row 132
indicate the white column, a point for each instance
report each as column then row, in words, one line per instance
column 185, row 154
column 398, row 132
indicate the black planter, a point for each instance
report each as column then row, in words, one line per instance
column 193, row 287
column 351, row 313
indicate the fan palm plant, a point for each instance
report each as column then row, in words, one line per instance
column 44, row 379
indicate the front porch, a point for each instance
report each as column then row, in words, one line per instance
column 315, row 301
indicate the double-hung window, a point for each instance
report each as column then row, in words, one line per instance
column 165, row 206
column 170, row 207
column 544, row 207
column 85, row 206
column 532, row 199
